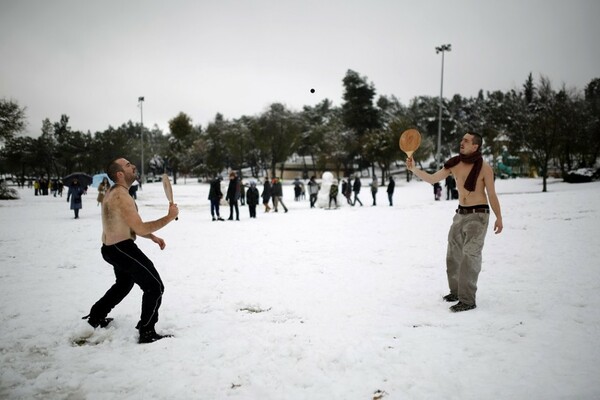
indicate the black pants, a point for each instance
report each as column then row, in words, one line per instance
column 131, row 266
column 214, row 207
column 252, row 209
column 232, row 205
column 334, row 199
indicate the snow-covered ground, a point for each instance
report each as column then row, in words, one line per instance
column 310, row 304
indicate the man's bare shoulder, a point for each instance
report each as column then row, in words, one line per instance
column 487, row 170
column 118, row 196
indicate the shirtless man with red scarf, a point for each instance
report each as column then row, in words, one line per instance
column 475, row 184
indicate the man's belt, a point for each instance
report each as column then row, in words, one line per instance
column 473, row 210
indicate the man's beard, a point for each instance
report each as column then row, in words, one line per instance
column 129, row 179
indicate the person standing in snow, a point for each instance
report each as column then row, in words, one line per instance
column 450, row 187
column 266, row 194
column 374, row 188
column 356, row 190
column 102, row 188
column 252, row 197
column 233, row 194
column 215, row 195
column 333, row 192
column 277, row 191
column 297, row 189
column 74, row 196
column 121, row 223
column 313, row 191
column 390, row 190
column 347, row 190
column 475, row 182
column 242, row 191
column 437, row 191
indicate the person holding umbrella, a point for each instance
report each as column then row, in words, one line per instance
column 120, row 225
column 74, row 196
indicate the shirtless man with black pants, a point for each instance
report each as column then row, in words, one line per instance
column 474, row 178
column 120, row 225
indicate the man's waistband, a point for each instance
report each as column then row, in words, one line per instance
column 123, row 242
column 483, row 209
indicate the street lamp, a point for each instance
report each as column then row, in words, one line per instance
column 443, row 48
column 141, row 102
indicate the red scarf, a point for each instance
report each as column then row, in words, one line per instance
column 475, row 159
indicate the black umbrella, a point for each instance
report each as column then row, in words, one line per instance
column 83, row 179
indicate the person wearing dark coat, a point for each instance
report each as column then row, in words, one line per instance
column 333, row 192
column 215, row 195
column 233, row 195
column 74, row 196
column 437, row 191
column 297, row 189
column 266, row 194
column 390, row 190
column 450, row 187
column 252, row 197
column 347, row 190
column 356, row 190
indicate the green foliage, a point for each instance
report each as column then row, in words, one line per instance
column 183, row 136
column 359, row 113
column 12, row 119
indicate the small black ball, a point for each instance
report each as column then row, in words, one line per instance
column 312, row 90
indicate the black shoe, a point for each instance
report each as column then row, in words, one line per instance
column 462, row 307
column 94, row 322
column 151, row 336
column 230, row 219
column 220, row 219
column 214, row 219
column 450, row 297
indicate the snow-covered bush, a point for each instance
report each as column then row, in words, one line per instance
column 7, row 193
column 581, row 175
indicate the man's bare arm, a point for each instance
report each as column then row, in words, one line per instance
column 134, row 221
column 427, row 177
column 490, row 188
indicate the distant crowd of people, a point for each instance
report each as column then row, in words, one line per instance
column 240, row 193
column 247, row 194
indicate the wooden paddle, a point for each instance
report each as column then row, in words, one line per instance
column 168, row 189
column 410, row 140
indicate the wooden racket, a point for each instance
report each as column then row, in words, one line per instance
column 168, row 189
column 410, row 140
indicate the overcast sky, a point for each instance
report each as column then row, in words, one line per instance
column 92, row 60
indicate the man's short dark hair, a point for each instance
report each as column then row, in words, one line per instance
column 477, row 139
column 112, row 168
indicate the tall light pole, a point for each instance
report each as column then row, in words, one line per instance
column 141, row 102
column 443, row 48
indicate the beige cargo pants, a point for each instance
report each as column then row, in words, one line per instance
column 463, row 257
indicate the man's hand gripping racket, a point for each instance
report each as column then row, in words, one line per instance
column 169, row 193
